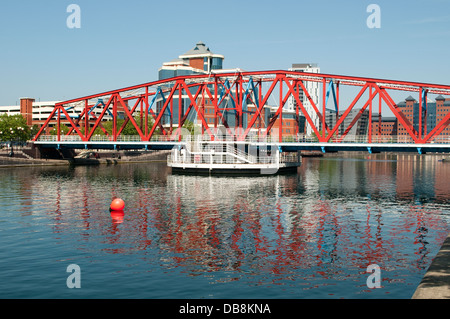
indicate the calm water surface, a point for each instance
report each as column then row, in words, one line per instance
column 306, row 235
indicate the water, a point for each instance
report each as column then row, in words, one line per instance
column 306, row 235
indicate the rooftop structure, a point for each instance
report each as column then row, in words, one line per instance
column 198, row 60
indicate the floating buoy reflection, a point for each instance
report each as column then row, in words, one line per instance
column 117, row 216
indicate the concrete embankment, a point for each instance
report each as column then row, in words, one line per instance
column 120, row 157
column 436, row 282
column 6, row 162
column 103, row 158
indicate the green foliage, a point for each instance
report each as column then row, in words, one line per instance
column 64, row 130
column 189, row 126
column 14, row 128
column 34, row 130
column 315, row 137
column 129, row 129
column 289, row 138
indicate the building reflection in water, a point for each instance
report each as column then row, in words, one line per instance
column 334, row 218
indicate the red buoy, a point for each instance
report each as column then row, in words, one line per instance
column 117, row 204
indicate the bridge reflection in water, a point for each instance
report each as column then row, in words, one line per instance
column 319, row 228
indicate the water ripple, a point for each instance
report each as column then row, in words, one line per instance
column 307, row 235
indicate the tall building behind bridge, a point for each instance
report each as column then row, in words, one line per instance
column 201, row 60
column 313, row 89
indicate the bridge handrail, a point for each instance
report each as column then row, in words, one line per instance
column 402, row 139
column 220, row 159
column 103, row 138
column 399, row 139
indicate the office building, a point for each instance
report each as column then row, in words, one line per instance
column 359, row 129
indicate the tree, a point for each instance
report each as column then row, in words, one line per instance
column 129, row 129
column 315, row 138
column 64, row 129
column 189, row 126
column 34, row 130
column 14, row 129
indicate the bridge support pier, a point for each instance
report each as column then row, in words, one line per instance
column 58, row 152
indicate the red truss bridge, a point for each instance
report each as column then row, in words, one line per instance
column 259, row 107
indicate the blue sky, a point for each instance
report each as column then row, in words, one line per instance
column 122, row 43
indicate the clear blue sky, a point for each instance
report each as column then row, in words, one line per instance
column 122, row 43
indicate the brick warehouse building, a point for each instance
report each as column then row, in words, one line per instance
column 386, row 131
column 433, row 113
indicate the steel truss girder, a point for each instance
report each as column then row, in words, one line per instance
column 238, row 87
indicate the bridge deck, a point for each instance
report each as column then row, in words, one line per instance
column 285, row 146
column 109, row 145
column 367, row 147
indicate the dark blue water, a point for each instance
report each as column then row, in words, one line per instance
column 306, row 235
